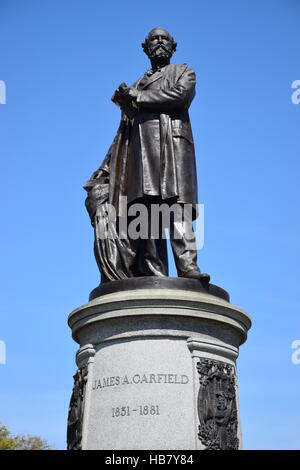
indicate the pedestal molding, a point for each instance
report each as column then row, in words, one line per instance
column 123, row 305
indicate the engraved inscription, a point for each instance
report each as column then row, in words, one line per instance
column 142, row 410
column 117, row 380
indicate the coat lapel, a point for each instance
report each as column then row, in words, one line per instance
column 146, row 81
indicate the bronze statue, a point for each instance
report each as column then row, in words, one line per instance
column 151, row 161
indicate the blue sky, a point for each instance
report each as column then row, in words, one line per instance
column 61, row 62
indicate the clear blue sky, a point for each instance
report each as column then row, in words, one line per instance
column 61, row 61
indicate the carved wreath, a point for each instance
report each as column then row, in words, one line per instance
column 76, row 408
column 217, row 407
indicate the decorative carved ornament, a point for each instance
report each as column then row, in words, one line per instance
column 217, row 407
column 76, row 409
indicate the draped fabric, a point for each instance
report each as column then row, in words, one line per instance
column 114, row 256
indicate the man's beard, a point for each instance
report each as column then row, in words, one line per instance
column 164, row 54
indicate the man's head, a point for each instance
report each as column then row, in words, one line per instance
column 159, row 46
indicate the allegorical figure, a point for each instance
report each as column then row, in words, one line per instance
column 151, row 161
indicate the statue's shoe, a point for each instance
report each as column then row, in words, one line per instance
column 196, row 274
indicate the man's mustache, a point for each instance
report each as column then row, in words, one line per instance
column 162, row 46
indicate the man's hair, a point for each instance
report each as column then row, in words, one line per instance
column 145, row 44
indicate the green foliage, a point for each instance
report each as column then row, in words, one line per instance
column 9, row 442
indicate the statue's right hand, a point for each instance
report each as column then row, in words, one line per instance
column 123, row 87
column 121, row 92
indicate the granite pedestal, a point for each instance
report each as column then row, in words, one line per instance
column 156, row 367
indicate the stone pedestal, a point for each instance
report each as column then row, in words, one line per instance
column 156, row 367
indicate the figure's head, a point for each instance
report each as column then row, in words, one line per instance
column 159, row 46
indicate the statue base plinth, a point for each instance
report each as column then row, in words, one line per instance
column 156, row 368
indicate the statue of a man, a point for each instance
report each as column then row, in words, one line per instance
column 151, row 161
